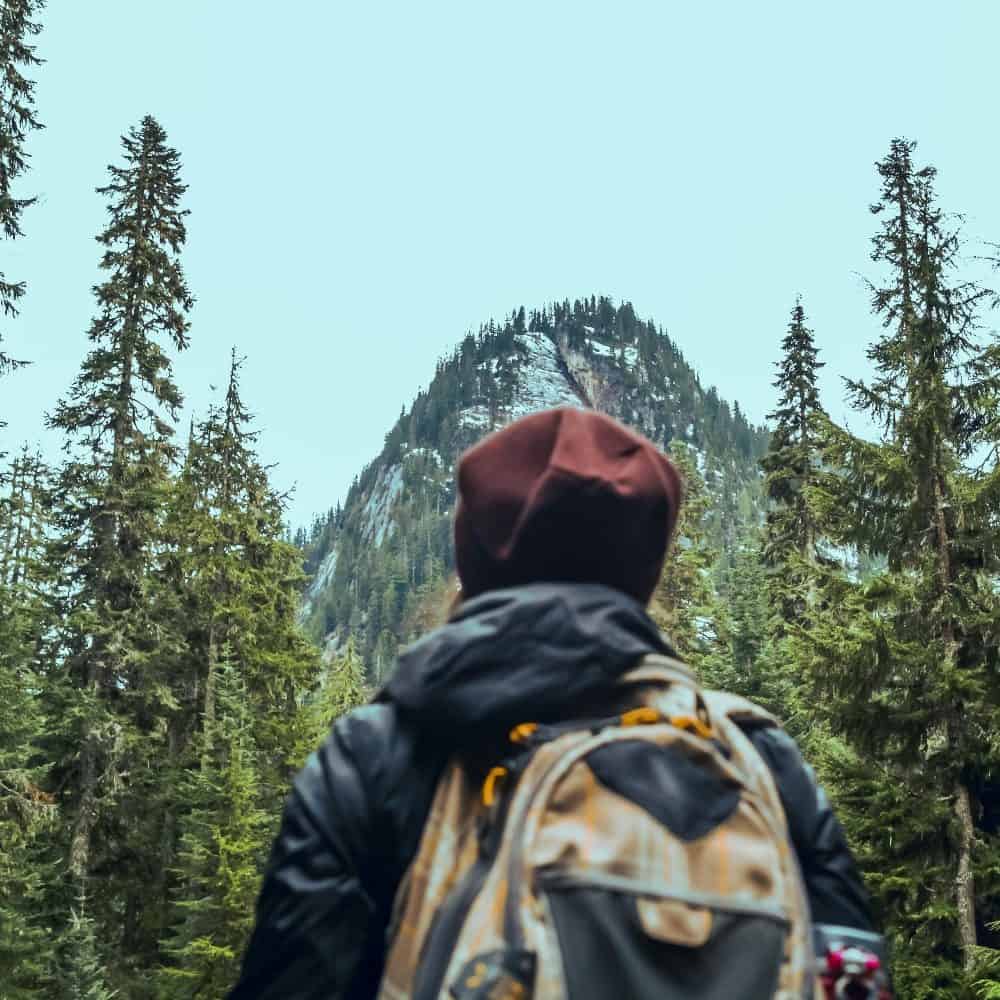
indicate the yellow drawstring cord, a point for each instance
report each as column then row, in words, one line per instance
column 693, row 722
column 523, row 731
column 496, row 775
column 644, row 716
column 647, row 716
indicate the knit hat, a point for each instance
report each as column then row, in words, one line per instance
column 565, row 495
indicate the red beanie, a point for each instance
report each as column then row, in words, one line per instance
column 565, row 495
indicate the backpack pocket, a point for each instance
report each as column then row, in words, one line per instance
column 621, row 940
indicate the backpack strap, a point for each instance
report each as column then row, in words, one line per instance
column 671, row 687
column 447, row 850
column 660, row 668
column 737, row 709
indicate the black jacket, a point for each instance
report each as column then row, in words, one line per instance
column 354, row 817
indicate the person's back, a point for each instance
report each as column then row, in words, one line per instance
column 561, row 530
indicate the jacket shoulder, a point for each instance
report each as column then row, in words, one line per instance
column 374, row 775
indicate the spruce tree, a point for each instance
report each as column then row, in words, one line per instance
column 684, row 603
column 790, row 466
column 27, row 813
column 108, row 698
column 231, row 584
column 18, row 25
column 906, row 662
column 79, row 972
column 238, row 581
column 223, row 844
column 343, row 689
column 757, row 665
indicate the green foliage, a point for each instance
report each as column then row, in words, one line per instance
column 18, row 25
column 904, row 663
column 26, row 809
column 79, row 972
column 342, row 689
column 225, row 833
column 987, row 967
column 684, row 602
column 106, row 691
column 791, row 465
column 156, row 692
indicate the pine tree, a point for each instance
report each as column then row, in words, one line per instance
column 342, row 690
column 233, row 583
column 223, row 843
column 229, row 590
column 17, row 122
column 757, row 666
column 80, row 972
column 26, row 808
column 684, row 603
column 790, row 466
column 906, row 662
column 108, row 698
column 240, row 579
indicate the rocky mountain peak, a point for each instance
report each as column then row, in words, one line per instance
column 375, row 559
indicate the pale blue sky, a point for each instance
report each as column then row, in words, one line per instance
column 369, row 180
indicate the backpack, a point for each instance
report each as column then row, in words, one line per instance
column 640, row 855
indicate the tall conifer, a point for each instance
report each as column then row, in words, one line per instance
column 224, row 837
column 790, row 466
column 18, row 25
column 240, row 672
column 26, row 808
column 683, row 604
column 908, row 660
column 108, row 699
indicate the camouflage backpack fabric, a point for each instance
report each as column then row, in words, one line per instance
column 643, row 855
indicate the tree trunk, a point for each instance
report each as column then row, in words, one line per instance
column 208, row 718
column 964, row 886
column 965, row 898
column 79, row 851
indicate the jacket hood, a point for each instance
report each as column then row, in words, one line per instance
column 522, row 654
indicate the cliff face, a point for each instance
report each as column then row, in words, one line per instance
column 386, row 552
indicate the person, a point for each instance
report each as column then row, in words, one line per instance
column 561, row 529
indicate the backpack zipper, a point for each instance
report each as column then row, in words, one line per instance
column 560, row 877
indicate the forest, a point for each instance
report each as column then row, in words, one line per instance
column 159, row 688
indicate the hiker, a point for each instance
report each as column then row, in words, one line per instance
column 542, row 802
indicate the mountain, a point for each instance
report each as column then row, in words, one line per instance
column 381, row 563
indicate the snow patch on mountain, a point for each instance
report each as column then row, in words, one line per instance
column 543, row 382
column 432, row 453
column 475, row 418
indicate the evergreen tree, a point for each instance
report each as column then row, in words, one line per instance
column 18, row 25
column 790, row 465
column 108, row 698
column 907, row 661
column 754, row 668
column 241, row 675
column 342, row 690
column 26, row 809
column 242, row 584
column 684, row 604
column 79, row 973
column 224, row 839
